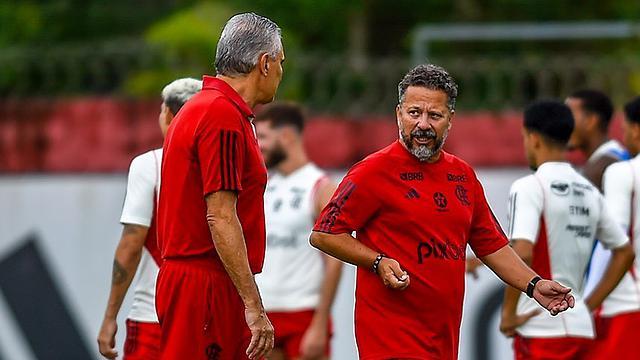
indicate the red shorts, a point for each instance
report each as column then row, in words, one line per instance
column 143, row 341
column 290, row 327
column 565, row 348
column 200, row 312
column 617, row 338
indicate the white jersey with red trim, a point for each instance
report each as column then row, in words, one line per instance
column 139, row 209
column 620, row 183
column 562, row 214
column 293, row 270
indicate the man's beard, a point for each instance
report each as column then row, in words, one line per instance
column 424, row 152
column 274, row 157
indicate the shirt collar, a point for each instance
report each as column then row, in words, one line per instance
column 213, row 83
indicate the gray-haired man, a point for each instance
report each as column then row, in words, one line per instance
column 414, row 209
column 211, row 213
column 138, row 247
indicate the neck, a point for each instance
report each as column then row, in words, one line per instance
column 551, row 155
column 294, row 161
column 593, row 142
column 244, row 86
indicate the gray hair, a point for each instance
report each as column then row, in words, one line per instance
column 244, row 39
column 178, row 92
column 432, row 77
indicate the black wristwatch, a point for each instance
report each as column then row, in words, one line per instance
column 532, row 285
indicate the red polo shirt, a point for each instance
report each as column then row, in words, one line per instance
column 211, row 146
column 423, row 215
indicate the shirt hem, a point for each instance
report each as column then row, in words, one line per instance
column 133, row 220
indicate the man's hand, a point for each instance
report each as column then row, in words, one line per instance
column 553, row 296
column 392, row 274
column 314, row 342
column 509, row 323
column 262, row 335
column 472, row 265
column 107, row 338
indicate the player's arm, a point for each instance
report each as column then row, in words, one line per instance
column 314, row 341
column 510, row 321
column 125, row 264
column 137, row 212
column 228, row 238
column 350, row 208
column 615, row 215
column 512, row 270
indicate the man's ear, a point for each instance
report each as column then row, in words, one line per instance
column 451, row 118
column 264, row 64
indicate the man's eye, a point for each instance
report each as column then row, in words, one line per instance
column 414, row 112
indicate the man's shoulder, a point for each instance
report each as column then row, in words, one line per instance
column 526, row 183
column 621, row 169
column 146, row 159
column 456, row 162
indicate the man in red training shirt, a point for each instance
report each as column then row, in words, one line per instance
column 414, row 209
column 211, row 212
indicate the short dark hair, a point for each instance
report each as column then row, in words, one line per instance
column 550, row 118
column 283, row 114
column 432, row 77
column 632, row 110
column 596, row 102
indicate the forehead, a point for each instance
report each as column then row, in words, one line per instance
column 420, row 95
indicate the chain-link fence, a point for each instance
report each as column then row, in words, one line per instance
column 324, row 83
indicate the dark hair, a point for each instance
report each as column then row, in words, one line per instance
column 596, row 102
column 550, row 118
column 283, row 114
column 432, row 77
column 632, row 110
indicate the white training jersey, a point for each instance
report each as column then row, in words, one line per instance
column 620, row 183
column 615, row 303
column 139, row 209
column 561, row 213
column 293, row 270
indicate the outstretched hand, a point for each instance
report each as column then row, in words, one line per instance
column 553, row 296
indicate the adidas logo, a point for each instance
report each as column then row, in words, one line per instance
column 412, row 194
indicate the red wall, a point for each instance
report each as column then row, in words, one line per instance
column 103, row 134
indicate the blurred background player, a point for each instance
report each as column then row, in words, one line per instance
column 555, row 216
column 592, row 112
column 618, row 321
column 211, row 229
column 298, row 283
column 138, row 248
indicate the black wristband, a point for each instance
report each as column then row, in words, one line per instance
column 376, row 262
column 532, row 285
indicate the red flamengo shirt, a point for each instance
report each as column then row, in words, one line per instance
column 422, row 215
column 211, row 146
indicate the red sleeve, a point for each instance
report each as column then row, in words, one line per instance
column 220, row 148
column 486, row 235
column 351, row 206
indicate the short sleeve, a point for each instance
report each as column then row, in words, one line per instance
column 351, row 206
column 140, row 197
column 609, row 232
column 617, row 184
column 526, row 200
column 220, row 148
column 486, row 235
